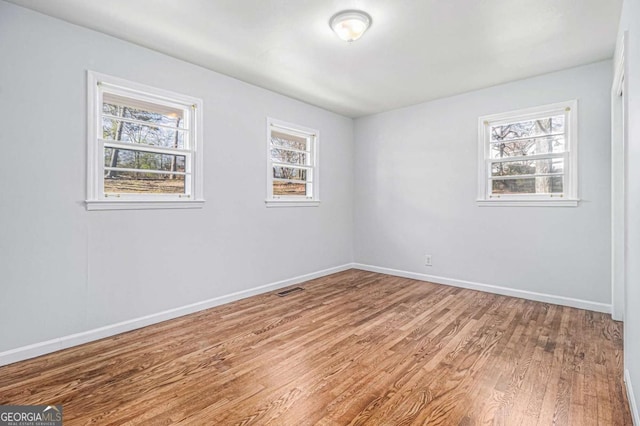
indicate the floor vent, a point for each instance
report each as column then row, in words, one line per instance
column 289, row 291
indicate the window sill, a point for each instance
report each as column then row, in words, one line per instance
column 143, row 205
column 561, row 202
column 292, row 203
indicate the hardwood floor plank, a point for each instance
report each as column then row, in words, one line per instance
column 356, row 348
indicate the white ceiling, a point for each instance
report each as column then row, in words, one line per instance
column 415, row 50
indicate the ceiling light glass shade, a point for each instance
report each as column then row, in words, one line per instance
column 350, row 24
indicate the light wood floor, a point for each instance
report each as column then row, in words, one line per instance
column 352, row 348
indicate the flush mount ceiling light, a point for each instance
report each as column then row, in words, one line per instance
column 350, row 24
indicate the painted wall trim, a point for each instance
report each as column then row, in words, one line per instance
column 632, row 400
column 53, row 345
column 505, row 291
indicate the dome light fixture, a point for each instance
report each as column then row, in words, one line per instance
column 350, row 24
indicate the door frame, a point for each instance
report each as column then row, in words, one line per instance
column 619, row 178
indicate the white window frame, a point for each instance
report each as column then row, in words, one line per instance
column 97, row 84
column 569, row 196
column 313, row 137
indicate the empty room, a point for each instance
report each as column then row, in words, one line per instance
column 285, row 212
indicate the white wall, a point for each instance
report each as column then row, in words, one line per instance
column 64, row 270
column 416, row 186
column 629, row 22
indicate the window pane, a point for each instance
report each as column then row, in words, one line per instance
column 292, row 157
column 290, row 188
column 543, row 145
column 288, row 141
column 523, row 129
column 122, row 106
column 143, row 183
column 123, row 131
column 289, row 173
column 515, row 168
column 537, row 185
column 129, row 159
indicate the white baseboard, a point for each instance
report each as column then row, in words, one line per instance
column 632, row 399
column 505, row 291
column 53, row 345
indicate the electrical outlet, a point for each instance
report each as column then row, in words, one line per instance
column 427, row 260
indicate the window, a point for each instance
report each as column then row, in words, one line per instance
column 529, row 157
column 144, row 147
column 292, row 168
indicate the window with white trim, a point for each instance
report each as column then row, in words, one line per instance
column 144, row 146
column 292, row 164
column 529, row 157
